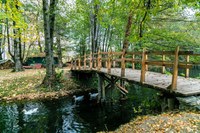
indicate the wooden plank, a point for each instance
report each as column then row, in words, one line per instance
column 175, row 70
column 143, row 69
column 169, row 52
column 116, row 53
column 121, row 88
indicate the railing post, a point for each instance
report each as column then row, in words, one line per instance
column 123, row 65
column 163, row 67
column 175, row 70
column 91, row 60
column 99, row 61
column 133, row 62
column 85, row 61
column 143, row 69
column 79, row 63
column 147, row 67
column 187, row 70
column 109, row 62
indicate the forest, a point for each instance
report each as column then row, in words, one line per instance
column 67, row 30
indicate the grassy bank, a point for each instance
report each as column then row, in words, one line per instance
column 25, row 85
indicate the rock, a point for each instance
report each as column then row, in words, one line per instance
column 192, row 102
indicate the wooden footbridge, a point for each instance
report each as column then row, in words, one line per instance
column 115, row 66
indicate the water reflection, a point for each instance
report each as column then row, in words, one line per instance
column 62, row 116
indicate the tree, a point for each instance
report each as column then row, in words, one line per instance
column 49, row 19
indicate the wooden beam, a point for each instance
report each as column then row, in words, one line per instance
column 175, row 70
column 121, row 88
column 187, row 70
column 143, row 69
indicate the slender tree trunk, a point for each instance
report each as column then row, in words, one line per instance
column 8, row 39
column 1, row 41
column 104, row 38
column 49, row 17
column 59, row 51
column 148, row 5
column 38, row 35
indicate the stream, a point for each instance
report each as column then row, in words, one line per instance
column 63, row 116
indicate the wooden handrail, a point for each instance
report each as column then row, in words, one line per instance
column 110, row 58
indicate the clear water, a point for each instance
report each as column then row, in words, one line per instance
column 62, row 116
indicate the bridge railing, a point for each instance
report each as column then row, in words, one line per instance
column 172, row 59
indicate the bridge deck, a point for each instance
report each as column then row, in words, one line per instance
column 185, row 86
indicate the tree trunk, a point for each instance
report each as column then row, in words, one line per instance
column 17, row 59
column 17, row 47
column 59, row 51
column 49, row 17
column 94, row 25
column 127, row 32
